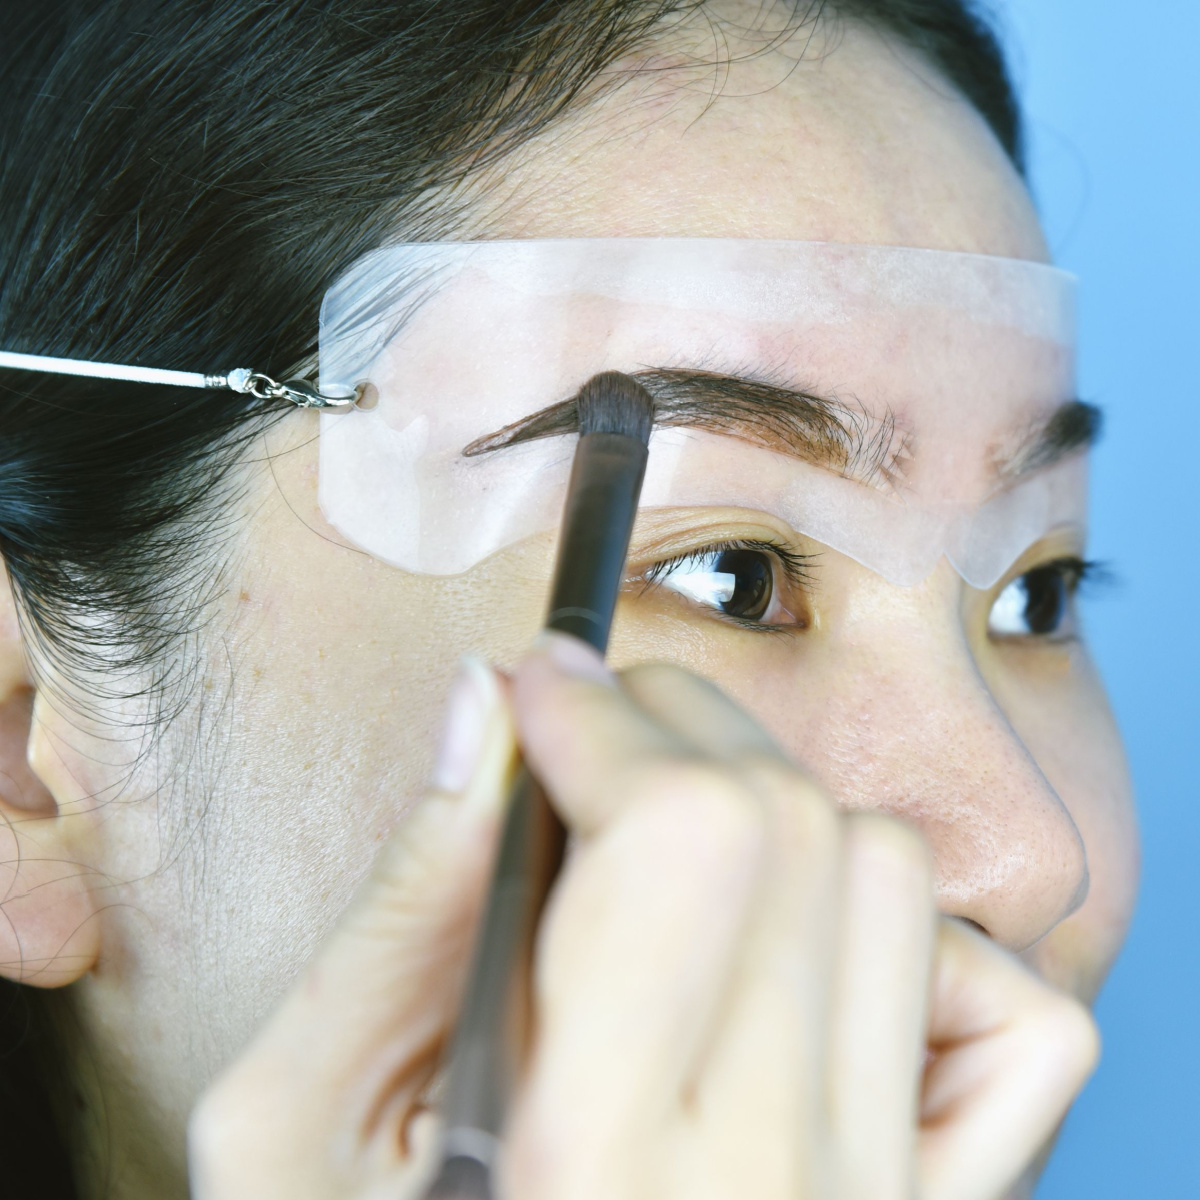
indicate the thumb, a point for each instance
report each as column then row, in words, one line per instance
column 347, row 1054
column 1010, row 1053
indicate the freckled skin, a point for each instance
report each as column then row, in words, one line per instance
column 329, row 670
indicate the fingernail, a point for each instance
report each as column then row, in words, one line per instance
column 468, row 706
column 573, row 657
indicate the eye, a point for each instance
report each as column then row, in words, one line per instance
column 746, row 582
column 1038, row 603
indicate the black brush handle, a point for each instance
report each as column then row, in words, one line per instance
column 495, row 1025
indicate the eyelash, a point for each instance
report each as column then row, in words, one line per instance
column 1078, row 571
column 797, row 571
column 1072, row 572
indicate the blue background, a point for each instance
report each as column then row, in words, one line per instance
column 1112, row 92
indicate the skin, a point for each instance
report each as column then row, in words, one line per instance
column 737, row 986
column 185, row 911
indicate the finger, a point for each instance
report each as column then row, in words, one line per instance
column 877, row 1034
column 698, row 712
column 582, row 737
column 633, row 965
column 586, row 738
column 1011, row 1055
column 356, row 1037
column 760, row 1099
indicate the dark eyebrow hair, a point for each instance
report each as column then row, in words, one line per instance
column 817, row 429
column 1074, row 425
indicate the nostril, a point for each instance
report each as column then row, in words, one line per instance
column 976, row 925
column 1015, row 898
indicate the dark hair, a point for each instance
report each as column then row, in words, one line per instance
column 179, row 182
column 172, row 193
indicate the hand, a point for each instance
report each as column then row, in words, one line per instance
column 738, row 986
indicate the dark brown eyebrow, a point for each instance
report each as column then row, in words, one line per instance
column 817, row 429
column 1074, row 425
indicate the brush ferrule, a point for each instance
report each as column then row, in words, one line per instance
column 606, row 479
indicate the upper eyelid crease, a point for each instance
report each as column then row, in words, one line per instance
column 1079, row 569
column 798, row 570
column 795, row 564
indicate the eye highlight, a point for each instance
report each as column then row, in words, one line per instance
column 1038, row 603
column 748, row 583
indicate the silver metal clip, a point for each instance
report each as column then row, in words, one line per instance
column 299, row 392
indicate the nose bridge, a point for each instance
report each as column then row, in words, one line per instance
column 914, row 730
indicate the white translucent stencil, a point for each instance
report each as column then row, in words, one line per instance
column 949, row 365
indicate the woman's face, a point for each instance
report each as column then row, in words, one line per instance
column 982, row 722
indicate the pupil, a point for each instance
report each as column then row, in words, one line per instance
column 1045, row 599
column 751, row 582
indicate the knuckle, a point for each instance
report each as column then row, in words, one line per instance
column 817, row 811
column 215, row 1122
column 243, row 1128
column 660, row 679
column 683, row 778
column 807, row 814
column 1073, row 1031
column 234, row 1105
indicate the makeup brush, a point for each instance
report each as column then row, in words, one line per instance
column 615, row 416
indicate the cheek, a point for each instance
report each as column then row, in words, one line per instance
column 824, row 702
column 343, row 715
column 317, row 736
column 1013, row 770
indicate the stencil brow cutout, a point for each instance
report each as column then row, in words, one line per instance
column 816, row 429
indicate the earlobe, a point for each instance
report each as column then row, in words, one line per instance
column 49, row 934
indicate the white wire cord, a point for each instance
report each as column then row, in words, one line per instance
column 97, row 370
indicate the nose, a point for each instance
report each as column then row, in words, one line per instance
column 907, row 725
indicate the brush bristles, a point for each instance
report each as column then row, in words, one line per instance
column 614, row 403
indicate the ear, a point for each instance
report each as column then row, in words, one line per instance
column 49, row 932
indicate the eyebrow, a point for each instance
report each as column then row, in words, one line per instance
column 817, row 429
column 820, row 430
column 1074, row 425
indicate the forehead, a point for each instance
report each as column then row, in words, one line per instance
column 860, row 142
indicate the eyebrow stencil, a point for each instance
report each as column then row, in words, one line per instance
column 898, row 405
